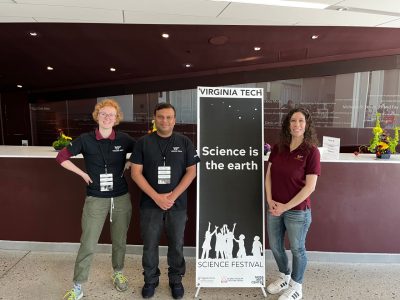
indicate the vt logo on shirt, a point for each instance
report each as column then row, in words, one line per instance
column 117, row 149
column 299, row 157
column 176, row 149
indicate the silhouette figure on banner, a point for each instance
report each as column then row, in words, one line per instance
column 242, row 250
column 229, row 237
column 207, row 241
column 224, row 243
column 257, row 248
column 219, row 243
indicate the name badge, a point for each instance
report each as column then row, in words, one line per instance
column 164, row 175
column 106, row 182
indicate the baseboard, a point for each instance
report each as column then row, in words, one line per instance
column 313, row 256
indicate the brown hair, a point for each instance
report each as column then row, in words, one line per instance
column 104, row 103
column 310, row 135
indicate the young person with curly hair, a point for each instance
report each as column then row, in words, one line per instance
column 104, row 151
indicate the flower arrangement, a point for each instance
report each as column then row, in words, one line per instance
column 267, row 148
column 62, row 140
column 153, row 127
column 382, row 144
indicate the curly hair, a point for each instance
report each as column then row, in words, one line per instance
column 104, row 103
column 310, row 135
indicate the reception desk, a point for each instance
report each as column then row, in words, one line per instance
column 42, row 202
column 356, row 205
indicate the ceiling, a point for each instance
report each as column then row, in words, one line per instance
column 82, row 39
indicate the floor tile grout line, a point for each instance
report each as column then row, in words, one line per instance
column 12, row 267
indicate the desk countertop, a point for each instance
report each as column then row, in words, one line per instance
column 29, row 152
column 49, row 152
column 360, row 158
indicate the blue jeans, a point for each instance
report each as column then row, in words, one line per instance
column 152, row 224
column 296, row 223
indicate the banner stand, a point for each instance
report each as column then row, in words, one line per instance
column 230, row 229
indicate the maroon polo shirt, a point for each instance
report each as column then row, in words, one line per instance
column 289, row 170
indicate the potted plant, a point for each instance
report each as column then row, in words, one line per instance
column 62, row 140
column 381, row 143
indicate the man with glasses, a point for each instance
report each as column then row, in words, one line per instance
column 104, row 151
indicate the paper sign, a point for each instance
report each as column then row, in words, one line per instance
column 331, row 147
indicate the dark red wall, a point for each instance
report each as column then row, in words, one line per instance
column 356, row 208
column 41, row 201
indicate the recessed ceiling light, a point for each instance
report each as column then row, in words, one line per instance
column 33, row 33
column 341, row 8
column 165, row 35
column 188, row 65
column 113, row 69
column 315, row 36
column 282, row 3
column 257, row 48
column 50, row 68
column 19, row 86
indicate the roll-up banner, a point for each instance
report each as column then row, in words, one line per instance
column 230, row 188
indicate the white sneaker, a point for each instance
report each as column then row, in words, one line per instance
column 279, row 285
column 294, row 292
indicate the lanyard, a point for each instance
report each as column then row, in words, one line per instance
column 103, row 156
column 164, row 151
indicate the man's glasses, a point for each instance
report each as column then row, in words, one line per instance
column 105, row 115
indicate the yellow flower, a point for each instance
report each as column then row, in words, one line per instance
column 66, row 137
column 382, row 146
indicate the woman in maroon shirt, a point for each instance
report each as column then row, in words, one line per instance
column 294, row 166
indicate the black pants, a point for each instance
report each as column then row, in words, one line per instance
column 152, row 223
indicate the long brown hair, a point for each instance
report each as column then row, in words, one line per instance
column 310, row 135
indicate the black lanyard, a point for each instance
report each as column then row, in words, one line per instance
column 102, row 154
column 164, row 151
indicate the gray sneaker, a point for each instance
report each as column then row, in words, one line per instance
column 120, row 282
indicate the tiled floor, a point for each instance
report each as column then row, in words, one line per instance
column 47, row 275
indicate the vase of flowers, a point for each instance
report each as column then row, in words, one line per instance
column 267, row 148
column 62, row 140
column 381, row 143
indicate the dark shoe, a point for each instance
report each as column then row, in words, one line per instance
column 177, row 290
column 149, row 289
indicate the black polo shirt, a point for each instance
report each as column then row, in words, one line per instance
column 97, row 154
column 179, row 154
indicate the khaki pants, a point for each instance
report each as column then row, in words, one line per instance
column 94, row 214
